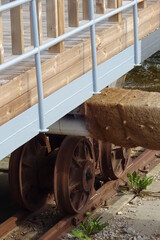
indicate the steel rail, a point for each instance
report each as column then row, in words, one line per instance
column 13, row 4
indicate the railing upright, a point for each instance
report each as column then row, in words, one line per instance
column 100, row 6
column 1, row 40
column 73, row 13
column 17, row 31
column 93, row 47
column 115, row 4
column 38, row 67
column 135, row 21
column 39, row 20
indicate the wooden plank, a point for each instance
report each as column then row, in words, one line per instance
column 58, row 48
column 112, row 4
column 1, row 40
column 73, row 13
column 55, row 22
column 100, row 6
column 17, row 30
column 142, row 4
column 39, row 20
column 85, row 9
column 52, row 18
column 115, row 4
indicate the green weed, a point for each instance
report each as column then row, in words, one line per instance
column 138, row 183
column 89, row 227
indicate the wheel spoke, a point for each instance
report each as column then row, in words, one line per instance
column 74, row 169
column 118, row 165
column 75, row 186
column 113, row 161
column 75, row 198
column 26, row 165
column 78, row 161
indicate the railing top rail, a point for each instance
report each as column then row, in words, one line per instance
column 13, row 4
column 62, row 37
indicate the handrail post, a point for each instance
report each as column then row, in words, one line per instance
column 135, row 21
column 93, row 46
column 39, row 22
column 38, row 67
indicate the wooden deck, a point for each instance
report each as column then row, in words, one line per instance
column 18, row 89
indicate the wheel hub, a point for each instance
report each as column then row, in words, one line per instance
column 87, row 176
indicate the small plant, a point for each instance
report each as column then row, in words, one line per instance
column 138, row 183
column 89, row 227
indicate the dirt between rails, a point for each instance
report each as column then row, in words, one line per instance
column 34, row 226
column 37, row 224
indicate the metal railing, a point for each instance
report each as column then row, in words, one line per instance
column 38, row 48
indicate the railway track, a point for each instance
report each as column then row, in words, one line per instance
column 100, row 196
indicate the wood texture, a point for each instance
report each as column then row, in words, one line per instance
column 1, row 40
column 17, row 30
column 112, row 3
column 85, row 9
column 100, row 6
column 73, row 13
column 58, row 21
column 52, row 20
column 115, row 4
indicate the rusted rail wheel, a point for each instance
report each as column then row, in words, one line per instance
column 113, row 160
column 74, row 174
column 24, row 175
column 55, row 140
